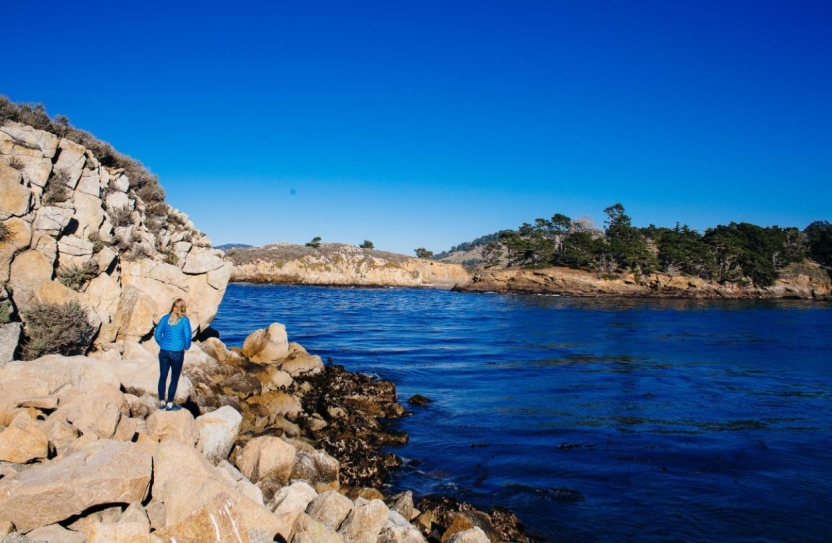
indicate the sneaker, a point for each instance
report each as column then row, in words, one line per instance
column 173, row 407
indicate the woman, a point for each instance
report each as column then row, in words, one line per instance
column 173, row 334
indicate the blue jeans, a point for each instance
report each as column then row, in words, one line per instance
column 169, row 361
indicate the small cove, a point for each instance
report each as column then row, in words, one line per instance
column 592, row 419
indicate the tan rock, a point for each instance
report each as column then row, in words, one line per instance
column 309, row 530
column 203, row 262
column 53, row 219
column 267, row 345
column 45, row 141
column 15, row 389
column 179, row 425
column 217, row 521
column 6, row 527
column 399, row 530
column 291, row 501
column 103, row 472
column 105, row 258
column 47, row 402
column 73, row 251
column 88, row 213
column 135, row 314
column 266, row 457
column 330, row 508
column 60, row 433
column 214, row 348
column 45, row 244
column 317, row 468
column 71, row 158
column 36, row 170
column 98, row 412
column 28, row 270
column 186, row 482
column 57, row 372
column 20, row 236
column 302, row 364
column 23, row 441
column 126, row 429
column 365, row 522
column 16, row 199
column 217, row 432
column 55, row 533
column 90, row 184
column 472, row 535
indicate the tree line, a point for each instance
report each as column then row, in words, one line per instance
column 739, row 252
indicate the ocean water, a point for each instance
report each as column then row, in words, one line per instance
column 592, row 419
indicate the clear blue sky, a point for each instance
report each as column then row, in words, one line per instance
column 426, row 124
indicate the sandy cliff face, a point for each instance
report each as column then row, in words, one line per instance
column 799, row 281
column 131, row 267
column 337, row 264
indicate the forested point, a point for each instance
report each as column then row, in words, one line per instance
column 741, row 253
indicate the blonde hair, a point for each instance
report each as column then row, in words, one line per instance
column 177, row 310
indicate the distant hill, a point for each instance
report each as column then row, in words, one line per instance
column 339, row 264
column 229, row 246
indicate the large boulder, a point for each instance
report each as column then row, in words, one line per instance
column 18, row 239
column 24, row 440
column 267, row 457
column 365, row 522
column 179, row 425
column 97, row 413
column 330, row 508
column 291, row 501
column 28, row 270
column 267, row 345
column 217, row 432
column 218, row 521
column 103, row 472
column 186, row 482
column 58, row 372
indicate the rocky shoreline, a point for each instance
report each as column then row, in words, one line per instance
column 804, row 281
column 272, row 440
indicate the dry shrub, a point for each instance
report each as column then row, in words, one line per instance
column 62, row 329
column 57, row 190
column 75, row 277
column 121, row 216
column 5, row 233
column 16, row 163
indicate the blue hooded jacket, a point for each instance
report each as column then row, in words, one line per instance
column 175, row 337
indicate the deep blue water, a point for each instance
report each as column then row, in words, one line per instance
column 593, row 419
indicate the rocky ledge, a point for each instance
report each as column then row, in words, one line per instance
column 807, row 281
column 272, row 445
column 335, row 264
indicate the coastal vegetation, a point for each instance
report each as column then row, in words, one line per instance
column 741, row 253
column 56, row 328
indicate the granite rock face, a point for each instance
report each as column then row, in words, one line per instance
column 66, row 212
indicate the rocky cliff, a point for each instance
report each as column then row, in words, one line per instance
column 77, row 230
column 339, row 264
column 806, row 281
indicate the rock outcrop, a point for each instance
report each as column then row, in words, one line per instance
column 78, row 230
column 340, row 265
column 806, row 281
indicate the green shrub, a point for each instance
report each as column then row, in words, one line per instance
column 315, row 243
column 51, row 328
column 75, row 277
column 367, row 245
column 5, row 233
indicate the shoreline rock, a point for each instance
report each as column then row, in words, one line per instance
column 806, row 281
column 309, row 473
